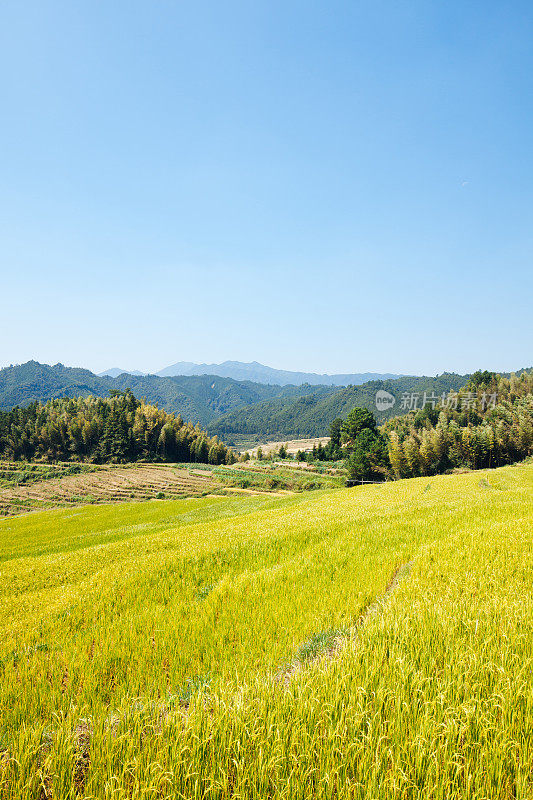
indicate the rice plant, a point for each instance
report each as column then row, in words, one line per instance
column 142, row 643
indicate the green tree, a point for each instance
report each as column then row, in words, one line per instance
column 481, row 378
column 396, row 456
column 335, row 432
column 368, row 456
column 320, row 452
column 358, row 420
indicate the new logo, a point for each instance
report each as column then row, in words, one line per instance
column 384, row 400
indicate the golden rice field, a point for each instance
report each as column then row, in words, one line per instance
column 246, row 647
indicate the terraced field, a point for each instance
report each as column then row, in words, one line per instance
column 108, row 484
column 364, row 643
column 32, row 487
column 280, row 475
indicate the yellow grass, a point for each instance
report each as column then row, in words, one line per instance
column 143, row 645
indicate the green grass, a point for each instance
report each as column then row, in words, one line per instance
column 268, row 476
column 142, row 642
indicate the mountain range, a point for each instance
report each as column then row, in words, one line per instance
column 229, row 408
column 198, row 398
column 259, row 373
column 114, row 372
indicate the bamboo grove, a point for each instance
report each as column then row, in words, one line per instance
column 488, row 423
column 113, row 430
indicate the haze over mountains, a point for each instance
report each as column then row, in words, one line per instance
column 114, row 372
column 259, row 373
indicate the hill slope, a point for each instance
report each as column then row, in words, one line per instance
column 311, row 415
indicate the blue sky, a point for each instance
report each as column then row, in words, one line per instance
column 329, row 186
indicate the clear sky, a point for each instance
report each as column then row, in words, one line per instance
column 328, row 186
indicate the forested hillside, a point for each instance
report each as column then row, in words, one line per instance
column 311, row 415
column 198, row 398
column 118, row 429
column 488, row 423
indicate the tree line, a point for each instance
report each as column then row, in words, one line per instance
column 117, row 429
column 487, row 423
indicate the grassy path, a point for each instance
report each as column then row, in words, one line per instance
column 327, row 644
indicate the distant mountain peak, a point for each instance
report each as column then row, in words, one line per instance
column 260, row 373
column 114, row 372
